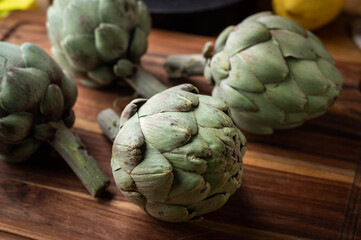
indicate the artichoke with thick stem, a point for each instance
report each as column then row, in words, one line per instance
column 272, row 73
column 36, row 100
column 102, row 41
column 177, row 155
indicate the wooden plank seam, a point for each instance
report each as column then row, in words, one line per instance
column 353, row 208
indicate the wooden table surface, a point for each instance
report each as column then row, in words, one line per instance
column 298, row 184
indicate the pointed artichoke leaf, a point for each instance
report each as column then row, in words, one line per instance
column 81, row 17
column 22, row 89
column 332, row 93
column 215, row 144
column 145, row 20
column 287, row 95
column 222, row 38
column 246, row 35
column 214, row 102
column 217, row 180
column 103, row 75
column 330, row 72
column 189, row 156
column 139, row 44
column 128, row 152
column 255, row 17
column 268, row 112
column 70, row 90
column 170, row 213
column 319, row 48
column 181, row 101
column 153, row 176
column 80, row 51
column 220, row 66
column 311, row 81
column 235, row 99
column 278, row 22
column 111, row 41
column 187, row 188
column 169, row 130
column 35, row 57
column 10, row 56
column 219, row 119
column 242, row 78
column 123, row 68
column 15, row 127
column 52, row 104
column 268, row 68
column 123, row 13
column 315, row 103
column 293, row 45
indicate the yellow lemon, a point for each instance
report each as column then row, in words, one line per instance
column 6, row 6
column 311, row 14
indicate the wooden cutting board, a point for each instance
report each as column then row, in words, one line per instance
column 298, row 184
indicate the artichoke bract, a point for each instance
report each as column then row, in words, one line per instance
column 102, row 41
column 177, row 155
column 272, row 73
column 36, row 100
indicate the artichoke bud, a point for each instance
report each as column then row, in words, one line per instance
column 22, row 89
column 111, row 41
column 178, row 155
column 52, row 105
column 123, row 68
column 15, row 127
column 138, row 45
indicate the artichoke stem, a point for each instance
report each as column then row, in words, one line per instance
column 144, row 83
column 108, row 121
column 73, row 151
column 179, row 66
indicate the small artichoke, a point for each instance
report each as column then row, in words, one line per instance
column 272, row 73
column 102, row 41
column 177, row 155
column 36, row 100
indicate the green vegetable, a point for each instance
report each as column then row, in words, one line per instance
column 36, row 100
column 102, row 41
column 272, row 73
column 177, row 155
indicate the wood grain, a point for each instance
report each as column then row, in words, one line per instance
column 303, row 183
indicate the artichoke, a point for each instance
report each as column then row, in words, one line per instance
column 102, row 41
column 36, row 100
column 177, row 155
column 272, row 73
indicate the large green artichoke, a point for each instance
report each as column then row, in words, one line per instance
column 102, row 41
column 272, row 73
column 36, row 100
column 177, row 155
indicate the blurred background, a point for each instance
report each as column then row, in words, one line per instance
column 209, row 17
